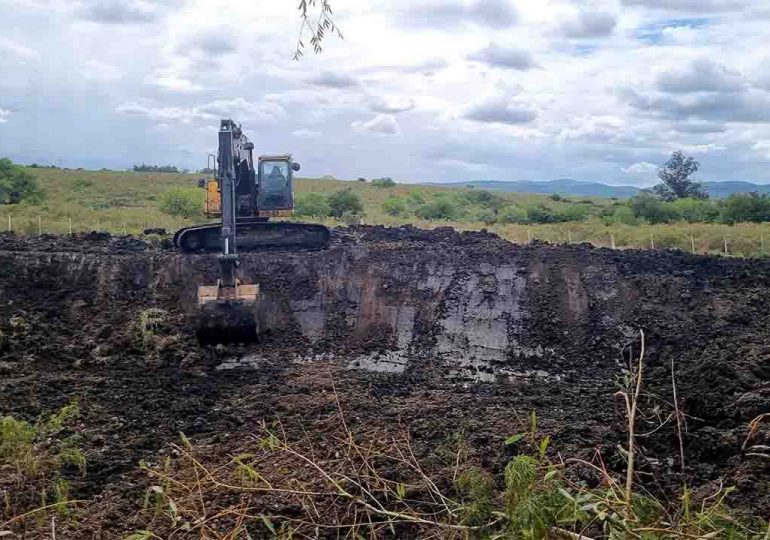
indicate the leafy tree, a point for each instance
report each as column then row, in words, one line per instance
column 746, row 207
column 675, row 176
column 395, row 206
column 311, row 204
column 17, row 185
column 385, row 182
column 344, row 202
column 181, row 202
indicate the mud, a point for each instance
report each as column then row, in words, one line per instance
column 438, row 332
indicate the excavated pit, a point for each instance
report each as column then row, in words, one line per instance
column 433, row 330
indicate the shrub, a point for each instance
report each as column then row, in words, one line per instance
column 572, row 212
column 344, row 202
column 512, row 214
column 182, row 202
column 312, row 205
column 155, row 168
column 485, row 199
column 646, row 206
column 361, row 179
column 439, row 208
column 384, row 182
column 395, row 206
column 485, row 215
column 17, row 185
column 555, row 197
column 746, row 207
column 540, row 213
column 694, row 210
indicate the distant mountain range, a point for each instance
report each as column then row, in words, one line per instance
column 568, row 186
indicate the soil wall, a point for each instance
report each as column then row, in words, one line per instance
column 453, row 331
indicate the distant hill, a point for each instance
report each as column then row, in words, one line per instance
column 568, row 186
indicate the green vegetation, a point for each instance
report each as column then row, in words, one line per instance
column 155, row 168
column 344, row 203
column 16, row 184
column 118, row 201
column 384, row 182
column 183, row 202
column 38, row 460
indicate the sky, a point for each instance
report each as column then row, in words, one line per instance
column 417, row 90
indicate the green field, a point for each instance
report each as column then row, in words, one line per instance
column 130, row 201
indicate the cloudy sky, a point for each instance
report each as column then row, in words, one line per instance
column 419, row 90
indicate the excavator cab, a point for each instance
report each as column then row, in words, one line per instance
column 275, row 190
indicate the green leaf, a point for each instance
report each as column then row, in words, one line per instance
column 544, row 445
column 513, row 439
column 268, row 523
column 140, row 535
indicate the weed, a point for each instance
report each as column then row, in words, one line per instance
column 147, row 326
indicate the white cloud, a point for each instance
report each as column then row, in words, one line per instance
column 382, row 123
column 306, row 133
column 642, row 167
column 17, row 49
column 4, row 114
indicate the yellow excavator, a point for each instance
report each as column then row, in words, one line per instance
column 243, row 198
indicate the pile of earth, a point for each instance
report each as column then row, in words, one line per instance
column 430, row 332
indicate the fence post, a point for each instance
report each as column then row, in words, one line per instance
column 40, row 225
column 569, row 237
column 70, row 225
column 124, row 230
column 652, row 242
column 692, row 243
column 725, row 237
column 10, row 226
column 762, row 242
column 529, row 237
column 612, row 240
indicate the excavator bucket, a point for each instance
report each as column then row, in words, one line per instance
column 228, row 314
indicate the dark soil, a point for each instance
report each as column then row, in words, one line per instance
column 485, row 332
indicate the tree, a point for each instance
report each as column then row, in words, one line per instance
column 312, row 205
column 344, row 202
column 675, row 176
column 384, row 182
column 16, row 184
column 316, row 25
column 179, row 202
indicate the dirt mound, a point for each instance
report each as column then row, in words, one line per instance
column 437, row 332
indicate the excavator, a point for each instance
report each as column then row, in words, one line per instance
column 243, row 198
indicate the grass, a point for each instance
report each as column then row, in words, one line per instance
column 129, row 202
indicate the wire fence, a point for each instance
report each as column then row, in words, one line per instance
column 742, row 240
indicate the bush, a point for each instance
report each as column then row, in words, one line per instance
column 646, row 206
column 694, row 210
column 625, row 215
column 384, row 182
column 540, row 213
column 155, row 168
column 361, row 179
column 344, row 202
column 485, row 199
column 17, row 185
column 746, row 207
column 312, row 205
column 395, row 206
column 512, row 214
column 181, row 202
column 439, row 208
column 572, row 212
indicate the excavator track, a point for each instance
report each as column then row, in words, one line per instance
column 254, row 234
